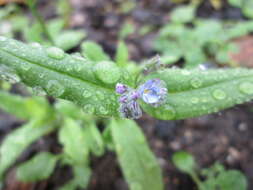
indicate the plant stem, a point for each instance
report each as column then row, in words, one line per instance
column 196, row 179
column 41, row 21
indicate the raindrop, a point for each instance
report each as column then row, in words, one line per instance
column 185, row 72
column 41, row 75
column 89, row 109
column 38, row 91
column 9, row 75
column 55, row 53
column 25, row 66
column 196, row 82
column 246, row 88
column 107, row 72
column 54, row 88
column 86, row 94
column 35, row 45
column 219, row 94
column 103, row 110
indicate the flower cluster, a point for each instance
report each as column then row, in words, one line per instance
column 152, row 92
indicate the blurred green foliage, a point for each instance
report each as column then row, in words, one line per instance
column 197, row 40
column 215, row 177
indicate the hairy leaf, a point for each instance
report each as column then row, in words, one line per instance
column 138, row 164
column 66, row 76
column 18, row 141
column 194, row 93
column 40, row 167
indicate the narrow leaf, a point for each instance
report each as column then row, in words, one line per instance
column 94, row 51
column 193, row 93
column 122, row 54
column 74, row 142
column 66, row 76
column 18, row 140
column 40, row 167
column 138, row 163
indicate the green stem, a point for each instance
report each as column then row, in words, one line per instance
column 41, row 21
column 196, row 179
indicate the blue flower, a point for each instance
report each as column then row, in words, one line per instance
column 153, row 92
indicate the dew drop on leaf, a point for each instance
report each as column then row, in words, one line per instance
column 107, row 72
column 38, row 91
column 9, row 75
column 219, row 94
column 25, row 66
column 103, row 110
column 246, row 88
column 196, row 83
column 54, row 88
column 90, row 109
column 86, row 94
column 55, row 53
column 35, row 45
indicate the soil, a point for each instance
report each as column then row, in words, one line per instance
column 226, row 137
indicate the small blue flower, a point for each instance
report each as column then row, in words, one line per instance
column 153, row 92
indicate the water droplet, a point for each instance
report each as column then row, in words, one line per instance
column 26, row 66
column 100, row 95
column 38, row 91
column 86, row 94
column 54, row 88
column 196, row 82
column 9, row 75
column 103, row 110
column 185, row 72
column 246, row 88
column 55, row 53
column 89, row 109
column 107, row 72
column 78, row 67
column 41, row 75
column 35, row 45
column 219, row 94
column 2, row 38
column 194, row 100
column 135, row 186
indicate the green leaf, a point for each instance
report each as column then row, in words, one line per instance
column 183, row 14
column 68, row 39
column 94, row 51
column 16, row 142
column 94, row 139
column 138, row 163
column 232, row 180
column 24, row 108
column 74, row 143
column 40, row 167
column 126, row 30
column 247, row 8
column 236, row 3
column 184, row 162
column 70, row 77
column 193, row 93
column 122, row 54
column 81, row 178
